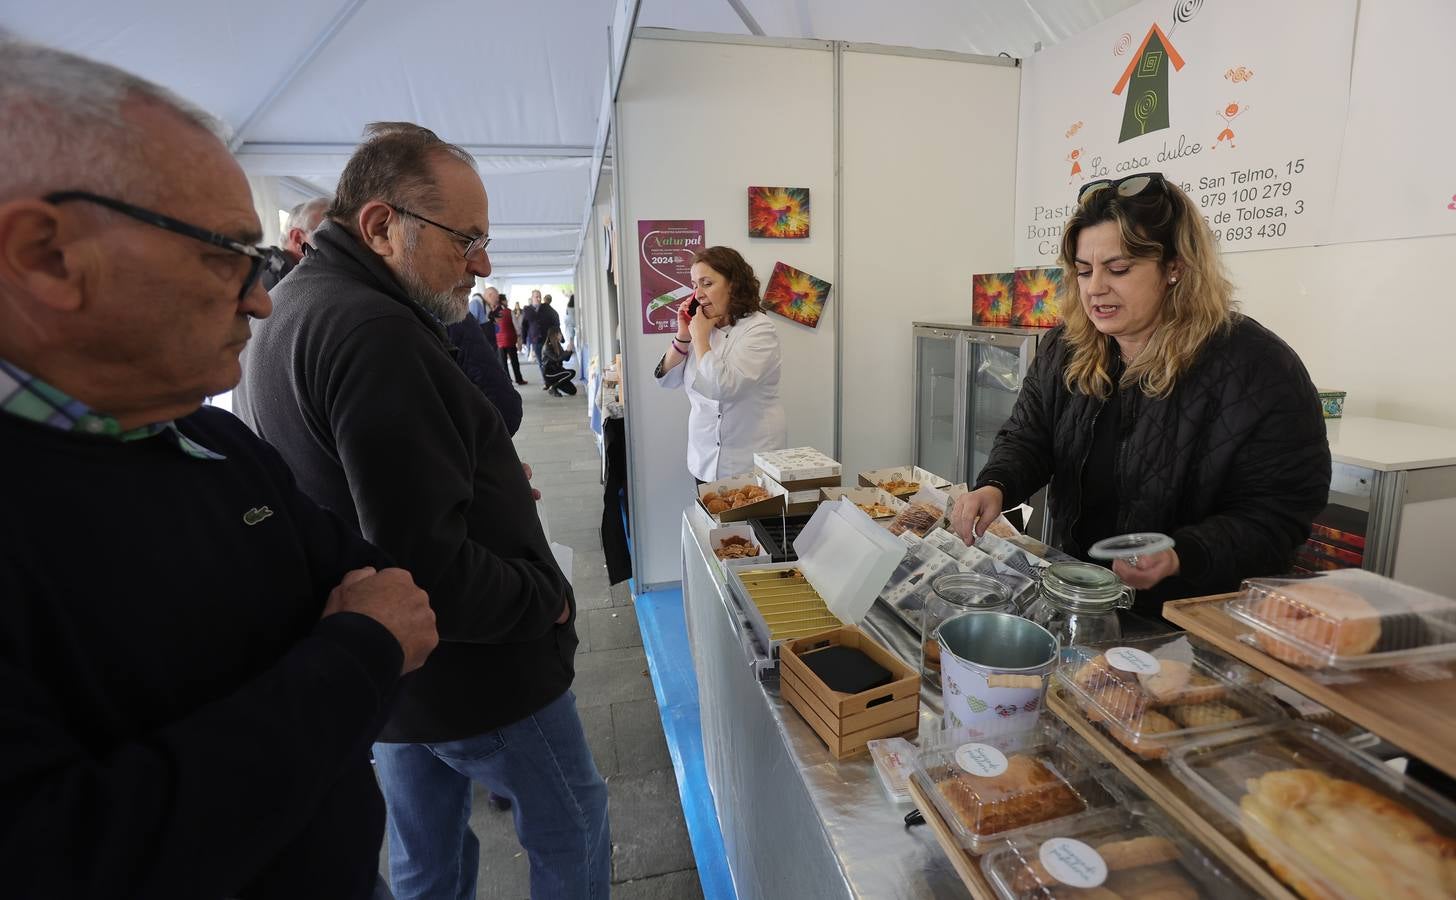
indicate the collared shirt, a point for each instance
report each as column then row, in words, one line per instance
column 27, row 397
column 733, row 395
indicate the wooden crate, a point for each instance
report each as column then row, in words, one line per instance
column 848, row 722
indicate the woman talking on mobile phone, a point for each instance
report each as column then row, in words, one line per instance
column 726, row 356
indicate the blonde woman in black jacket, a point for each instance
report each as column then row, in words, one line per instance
column 1156, row 406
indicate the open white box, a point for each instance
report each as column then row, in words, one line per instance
column 868, row 496
column 923, row 477
column 774, row 504
column 717, row 535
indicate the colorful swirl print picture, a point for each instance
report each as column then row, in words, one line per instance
column 991, row 298
column 796, row 295
column 778, row 212
column 1034, row 301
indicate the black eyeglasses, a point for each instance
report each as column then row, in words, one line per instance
column 473, row 243
column 1130, row 186
column 261, row 259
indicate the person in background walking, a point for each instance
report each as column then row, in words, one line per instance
column 553, row 355
column 507, row 339
column 546, row 322
column 528, row 325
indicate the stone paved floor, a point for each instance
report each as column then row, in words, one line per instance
column 651, row 856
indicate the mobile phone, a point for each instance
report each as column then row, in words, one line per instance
column 693, row 307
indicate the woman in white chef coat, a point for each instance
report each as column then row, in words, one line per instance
column 726, row 356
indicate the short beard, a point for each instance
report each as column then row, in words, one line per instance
column 443, row 305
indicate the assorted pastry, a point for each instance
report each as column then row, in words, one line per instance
column 899, row 487
column 876, row 510
column 1337, row 621
column 736, row 547
column 1028, row 792
column 1141, row 867
column 918, row 518
column 1142, row 706
column 732, row 498
column 1362, row 843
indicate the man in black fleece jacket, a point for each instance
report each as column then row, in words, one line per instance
column 194, row 655
column 353, row 380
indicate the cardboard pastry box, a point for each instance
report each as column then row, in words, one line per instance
column 773, row 504
column 921, row 477
column 799, row 469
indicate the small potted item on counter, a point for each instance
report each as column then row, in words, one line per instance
column 1346, row 619
column 993, row 671
column 1328, row 820
column 1107, row 854
column 990, row 788
column 1153, row 694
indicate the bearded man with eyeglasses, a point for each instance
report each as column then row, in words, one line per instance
column 353, row 379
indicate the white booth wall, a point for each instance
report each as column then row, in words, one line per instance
column 1375, row 319
column 926, row 142
column 698, row 123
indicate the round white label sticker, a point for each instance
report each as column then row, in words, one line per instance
column 981, row 759
column 1073, row 863
column 1131, row 659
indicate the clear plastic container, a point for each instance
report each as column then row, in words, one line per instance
column 1346, row 619
column 1328, row 820
column 894, row 761
column 989, row 787
column 1154, row 693
column 1111, row 853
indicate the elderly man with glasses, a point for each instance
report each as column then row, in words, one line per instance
column 195, row 655
column 354, row 381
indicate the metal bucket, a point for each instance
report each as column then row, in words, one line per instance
column 994, row 668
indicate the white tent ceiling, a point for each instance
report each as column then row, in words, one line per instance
column 519, row 84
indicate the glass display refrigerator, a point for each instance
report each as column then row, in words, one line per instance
column 967, row 378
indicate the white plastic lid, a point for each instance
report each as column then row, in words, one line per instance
column 847, row 558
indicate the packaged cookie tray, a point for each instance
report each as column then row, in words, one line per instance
column 1328, row 820
column 1154, row 693
column 988, row 788
column 780, row 603
column 1346, row 619
column 1106, row 854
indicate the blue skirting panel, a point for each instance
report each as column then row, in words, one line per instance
column 665, row 639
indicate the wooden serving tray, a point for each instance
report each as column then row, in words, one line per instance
column 966, row 865
column 1417, row 716
column 1172, row 796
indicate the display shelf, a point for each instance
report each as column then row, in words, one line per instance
column 1416, row 714
column 1173, row 798
column 966, row 865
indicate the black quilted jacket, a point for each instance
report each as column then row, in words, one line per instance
column 1234, row 463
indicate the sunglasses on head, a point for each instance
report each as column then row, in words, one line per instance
column 1130, row 186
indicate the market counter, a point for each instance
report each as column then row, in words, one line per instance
column 795, row 821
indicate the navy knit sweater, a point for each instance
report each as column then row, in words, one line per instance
column 177, row 720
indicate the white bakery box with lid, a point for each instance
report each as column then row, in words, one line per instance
column 844, row 561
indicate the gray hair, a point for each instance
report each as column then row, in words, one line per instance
column 308, row 215
column 66, row 128
column 393, row 165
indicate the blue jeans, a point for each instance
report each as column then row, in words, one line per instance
column 542, row 764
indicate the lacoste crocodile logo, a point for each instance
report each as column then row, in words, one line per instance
column 256, row 515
